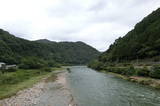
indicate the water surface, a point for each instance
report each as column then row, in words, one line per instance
column 91, row 88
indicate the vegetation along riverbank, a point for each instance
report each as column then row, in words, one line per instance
column 136, row 55
column 52, row 86
column 23, row 62
column 142, row 75
column 14, row 80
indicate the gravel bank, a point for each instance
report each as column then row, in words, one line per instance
column 45, row 93
column 25, row 97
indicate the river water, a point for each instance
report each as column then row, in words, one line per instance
column 91, row 88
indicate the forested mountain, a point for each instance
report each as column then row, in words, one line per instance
column 140, row 43
column 13, row 50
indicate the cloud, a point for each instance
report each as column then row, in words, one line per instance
column 98, row 22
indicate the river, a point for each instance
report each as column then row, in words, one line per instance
column 92, row 88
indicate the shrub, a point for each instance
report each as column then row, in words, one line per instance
column 46, row 69
column 156, row 59
column 111, row 64
column 51, row 63
column 32, row 63
column 125, row 71
column 129, row 71
column 117, row 70
column 8, row 79
column 11, row 69
column 126, row 64
column 155, row 72
column 96, row 65
column 2, row 71
column 143, row 72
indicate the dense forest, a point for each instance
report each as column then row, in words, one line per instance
column 135, row 54
column 140, row 44
column 143, row 42
column 14, row 50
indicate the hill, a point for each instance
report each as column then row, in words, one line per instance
column 143, row 42
column 13, row 50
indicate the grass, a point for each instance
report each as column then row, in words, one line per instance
column 11, row 83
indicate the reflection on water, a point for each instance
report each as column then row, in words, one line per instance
column 91, row 88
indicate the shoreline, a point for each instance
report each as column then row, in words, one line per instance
column 26, row 96
column 32, row 96
column 154, row 83
column 61, row 79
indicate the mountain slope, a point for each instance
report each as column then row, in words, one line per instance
column 72, row 52
column 140, row 43
column 14, row 49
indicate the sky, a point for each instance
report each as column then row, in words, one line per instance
column 95, row 22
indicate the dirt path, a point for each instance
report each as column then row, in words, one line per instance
column 45, row 93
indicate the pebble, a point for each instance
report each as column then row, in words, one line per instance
column 26, row 97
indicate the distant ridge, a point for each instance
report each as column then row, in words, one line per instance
column 14, row 49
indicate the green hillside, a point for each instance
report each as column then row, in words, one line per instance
column 13, row 50
column 143, row 42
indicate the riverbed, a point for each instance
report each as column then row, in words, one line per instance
column 82, row 86
column 92, row 88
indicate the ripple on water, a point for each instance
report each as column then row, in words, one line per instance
column 91, row 88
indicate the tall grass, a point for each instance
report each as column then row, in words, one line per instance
column 12, row 82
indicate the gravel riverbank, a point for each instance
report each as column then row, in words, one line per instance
column 45, row 93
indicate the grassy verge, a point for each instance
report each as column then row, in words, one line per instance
column 11, row 83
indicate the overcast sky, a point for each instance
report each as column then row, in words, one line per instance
column 95, row 22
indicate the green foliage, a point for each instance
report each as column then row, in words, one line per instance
column 13, row 49
column 12, row 69
column 46, row 69
column 156, row 59
column 129, row 71
column 32, row 63
column 126, row 64
column 155, row 72
column 20, row 76
column 95, row 65
column 143, row 71
column 53, row 64
column 140, row 43
column 115, row 70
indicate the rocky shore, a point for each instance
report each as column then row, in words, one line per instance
column 45, row 93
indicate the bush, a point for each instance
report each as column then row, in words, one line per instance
column 130, row 71
column 32, row 63
column 156, row 59
column 143, row 72
column 111, row 64
column 2, row 71
column 8, row 79
column 97, row 65
column 46, row 69
column 119, row 70
column 155, row 72
column 57, row 65
column 126, row 64
column 11, row 70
